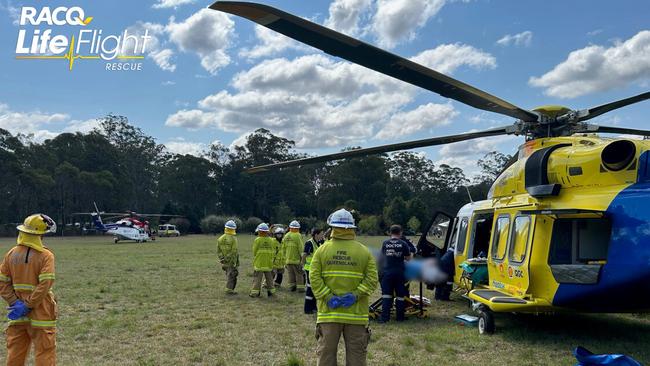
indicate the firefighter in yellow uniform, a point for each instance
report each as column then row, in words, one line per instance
column 229, row 256
column 293, row 246
column 343, row 275
column 26, row 276
column 263, row 253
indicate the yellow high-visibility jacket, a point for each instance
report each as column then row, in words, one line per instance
column 263, row 253
column 278, row 259
column 340, row 266
column 227, row 250
column 292, row 246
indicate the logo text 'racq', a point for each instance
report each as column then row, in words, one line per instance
column 84, row 43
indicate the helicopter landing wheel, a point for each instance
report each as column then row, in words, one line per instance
column 115, row 240
column 486, row 322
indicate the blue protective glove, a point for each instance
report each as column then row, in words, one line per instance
column 348, row 300
column 17, row 310
column 334, row 302
column 586, row 358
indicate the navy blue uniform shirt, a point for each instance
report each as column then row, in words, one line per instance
column 394, row 251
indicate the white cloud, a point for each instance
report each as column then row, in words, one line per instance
column 206, row 33
column 163, row 59
column 519, row 39
column 319, row 102
column 594, row 32
column 465, row 154
column 345, row 15
column 270, row 43
column 597, row 68
column 168, row 83
column 155, row 47
column 480, row 146
column 163, row 4
column 398, row 20
column 11, row 10
column 41, row 125
column 448, row 57
column 425, row 116
column 81, row 126
column 183, row 147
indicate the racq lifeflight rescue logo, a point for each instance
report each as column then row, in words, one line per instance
column 43, row 42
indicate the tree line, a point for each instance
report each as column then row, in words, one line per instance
column 121, row 168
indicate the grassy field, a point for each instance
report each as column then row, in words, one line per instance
column 163, row 303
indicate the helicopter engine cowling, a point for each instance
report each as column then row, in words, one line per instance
column 591, row 162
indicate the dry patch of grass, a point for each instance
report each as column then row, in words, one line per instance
column 163, row 303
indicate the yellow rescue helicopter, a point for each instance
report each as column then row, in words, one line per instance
column 565, row 227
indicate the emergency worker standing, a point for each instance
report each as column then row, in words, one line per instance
column 395, row 252
column 343, row 275
column 26, row 276
column 278, row 260
column 307, row 254
column 293, row 246
column 263, row 253
column 229, row 256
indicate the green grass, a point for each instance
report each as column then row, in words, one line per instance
column 163, row 303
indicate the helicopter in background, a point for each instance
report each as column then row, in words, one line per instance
column 129, row 226
column 565, row 226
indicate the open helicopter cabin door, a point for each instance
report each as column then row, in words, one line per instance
column 509, row 252
column 435, row 237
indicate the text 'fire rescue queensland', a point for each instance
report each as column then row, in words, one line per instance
column 86, row 44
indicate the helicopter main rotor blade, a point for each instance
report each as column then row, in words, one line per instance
column 610, row 129
column 586, row 114
column 354, row 50
column 156, row 215
column 384, row 149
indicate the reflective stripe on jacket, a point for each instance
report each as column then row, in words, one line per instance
column 27, row 274
column 340, row 266
column 308, row 258
column 227, row 250
column 263, row 253
column 292, row 245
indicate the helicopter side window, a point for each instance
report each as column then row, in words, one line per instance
column 519, row 243
column 480, row 237
column 500, row 240
column 580, row 240
column 462, row 235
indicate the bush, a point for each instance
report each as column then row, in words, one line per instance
column 250, row 224
column 413, row 225
column 182, row 224
column 282, row 214
column 308, row 223
column 214, row 224
column 370, row 225
column 210, row 224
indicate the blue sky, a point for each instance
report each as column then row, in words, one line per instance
column 212, row 77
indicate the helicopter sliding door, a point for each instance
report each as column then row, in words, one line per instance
column 508, row 258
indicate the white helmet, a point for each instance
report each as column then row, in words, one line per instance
column 341, row 218
column 294, row 224
column 262, row 227
column 278, row 230
column 230, row 224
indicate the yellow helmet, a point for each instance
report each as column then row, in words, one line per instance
column 38, row 224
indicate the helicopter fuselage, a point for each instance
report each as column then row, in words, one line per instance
column 567, row 226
